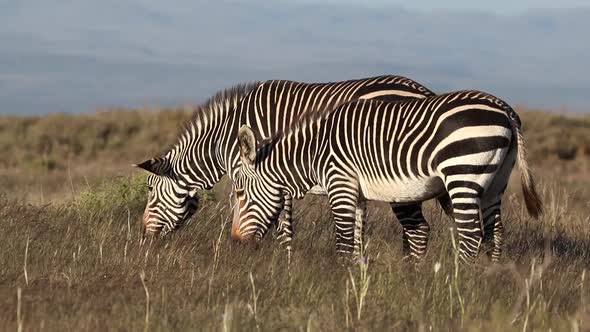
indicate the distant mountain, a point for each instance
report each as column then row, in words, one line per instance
column 76, row 55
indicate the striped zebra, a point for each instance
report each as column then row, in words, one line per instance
column 463, row 143
column 205, row 150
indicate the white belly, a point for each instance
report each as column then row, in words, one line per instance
column 406, row 191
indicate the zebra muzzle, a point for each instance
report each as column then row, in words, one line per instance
column 235, row 225
column 235, row 230
column 148, row 229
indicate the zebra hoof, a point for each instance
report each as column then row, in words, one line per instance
column 250, row 244
column 345, row 259
column 494, row 255
column 412, row 258
column 467, row 260
column 409, row 259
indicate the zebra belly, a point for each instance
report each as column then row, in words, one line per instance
column 406, row 191
column 316, row 190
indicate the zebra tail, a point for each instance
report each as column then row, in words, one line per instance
column 532, row 200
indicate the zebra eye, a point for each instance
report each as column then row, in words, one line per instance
column 150, row 188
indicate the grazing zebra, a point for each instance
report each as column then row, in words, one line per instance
column 205, row 151
column 463, row 143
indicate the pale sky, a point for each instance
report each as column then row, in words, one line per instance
column 504, row 7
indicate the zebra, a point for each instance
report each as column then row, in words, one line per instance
column 462, row 143
column 205, row 150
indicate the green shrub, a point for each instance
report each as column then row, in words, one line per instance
column 128, row 192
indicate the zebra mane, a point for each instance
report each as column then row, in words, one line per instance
column 227, row 98
column 311, row 117
column 205, row 112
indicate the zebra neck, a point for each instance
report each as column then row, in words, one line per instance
column 299, row 189
column 296, row 157
column 196, row 157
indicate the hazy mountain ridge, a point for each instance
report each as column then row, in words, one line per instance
column 80, row 55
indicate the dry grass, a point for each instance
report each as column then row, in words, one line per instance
column 78, row 264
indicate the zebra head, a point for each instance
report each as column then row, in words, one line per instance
column 259, row 200
column 170, row 202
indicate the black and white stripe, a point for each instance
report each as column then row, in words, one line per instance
column 206, row 150
column 463, row 143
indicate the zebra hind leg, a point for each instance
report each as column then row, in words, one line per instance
column 467, row 212
column 343, row 202
column 445, row 203
column 494, row 231
column 415, row 230
column 359, row 230
column 492, row 208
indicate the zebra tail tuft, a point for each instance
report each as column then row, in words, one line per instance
column 532, row 200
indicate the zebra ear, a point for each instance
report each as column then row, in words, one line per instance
column 247, row 142
column 158, row 166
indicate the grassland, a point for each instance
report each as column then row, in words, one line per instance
column 71, row 257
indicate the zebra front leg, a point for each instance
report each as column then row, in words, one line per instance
column 344, row 219
column 466, row 212
column 359, row 230
column 285, row 226
column 415, row 230
column 343, row 202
